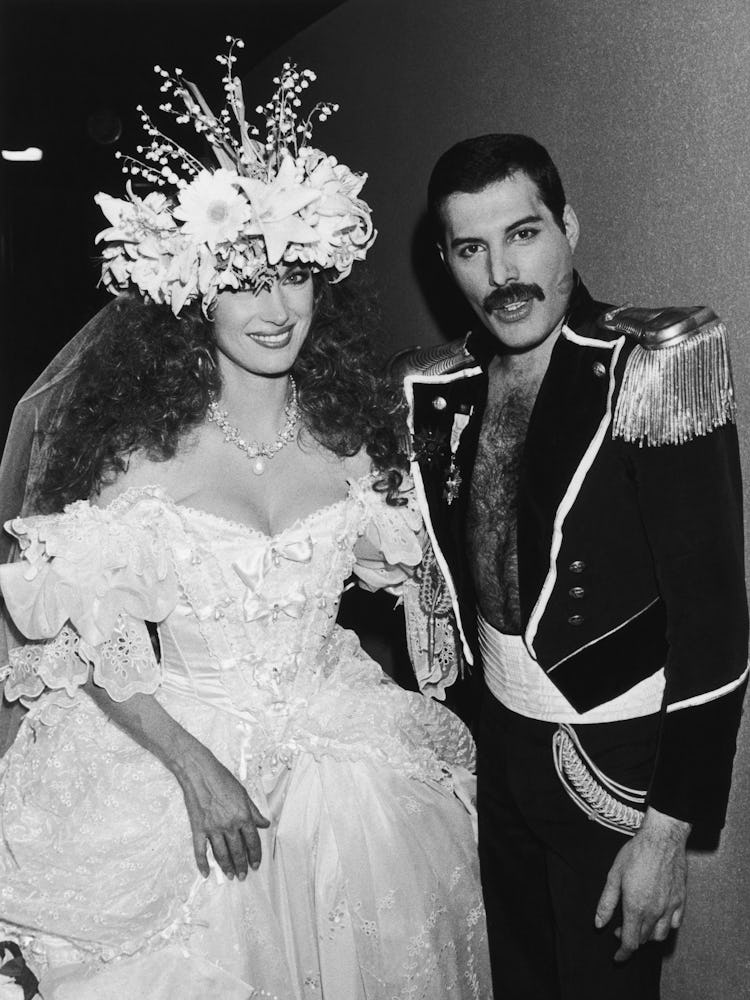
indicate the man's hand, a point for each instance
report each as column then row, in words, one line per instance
column 649, row 878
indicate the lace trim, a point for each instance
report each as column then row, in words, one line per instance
column 178, row 927
column 602, row 799
column 393, row 532
column 55, row 664
column 126, row 664
column 415, row 737
column 123, row 665
column 431, row 631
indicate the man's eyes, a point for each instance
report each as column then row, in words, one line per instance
column 470, row 250
column 525, row 235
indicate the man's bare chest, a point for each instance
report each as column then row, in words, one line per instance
column 493, row 506
column 499, row 450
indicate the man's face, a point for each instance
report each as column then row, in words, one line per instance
column 511, row 260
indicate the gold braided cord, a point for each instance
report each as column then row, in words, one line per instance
column 603, row 800
column 674, row 394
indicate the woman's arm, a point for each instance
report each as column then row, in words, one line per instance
column 219, row 809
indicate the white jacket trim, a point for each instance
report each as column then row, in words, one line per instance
column 703, row 699
column 409, row 382
column 604, row 635
column 574, row 487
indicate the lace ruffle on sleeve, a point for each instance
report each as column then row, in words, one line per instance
column 393, row 553
column 390, row 546
column 85, row 584
column 431, row 632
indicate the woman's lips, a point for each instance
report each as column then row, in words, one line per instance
column 273, row 341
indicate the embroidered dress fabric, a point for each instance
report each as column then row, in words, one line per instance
column 368, row 887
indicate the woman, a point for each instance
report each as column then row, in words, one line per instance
column 258, row 811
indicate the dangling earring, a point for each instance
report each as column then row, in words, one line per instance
column 204, row 361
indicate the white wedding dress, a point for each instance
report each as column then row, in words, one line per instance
column 368, row 888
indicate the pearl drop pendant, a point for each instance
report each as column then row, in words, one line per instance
column 257, row 452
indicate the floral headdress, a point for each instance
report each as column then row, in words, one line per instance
column 269, row 202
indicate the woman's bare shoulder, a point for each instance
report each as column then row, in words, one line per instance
column 357, row 466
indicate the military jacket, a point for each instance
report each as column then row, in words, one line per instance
column 629, row 525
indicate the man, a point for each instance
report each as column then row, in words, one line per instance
column 578, row 471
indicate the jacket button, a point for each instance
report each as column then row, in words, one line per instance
column 575, row 620
column 577, row 566
column 576, row 593
column 439, row 402
column 599, row 369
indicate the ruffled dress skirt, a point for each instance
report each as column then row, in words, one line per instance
column 368, row 888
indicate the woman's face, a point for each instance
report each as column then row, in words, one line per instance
column 263, row 332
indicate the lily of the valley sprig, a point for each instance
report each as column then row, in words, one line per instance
column 270, row 199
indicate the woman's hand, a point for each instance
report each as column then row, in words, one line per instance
column 221, row 814
column 219, row 809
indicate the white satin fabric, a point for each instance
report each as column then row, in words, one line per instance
column 368, row 886
column 517, row 681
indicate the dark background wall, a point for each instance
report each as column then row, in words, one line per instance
column 644, row 106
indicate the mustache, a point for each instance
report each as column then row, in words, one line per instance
column 508, row 294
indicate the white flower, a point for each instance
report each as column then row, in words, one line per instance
column 135, row 219
column 212, row 209
column 148, row 274
column 115, row 269
column 276, row 208
column 270, row 199
column 337, row 184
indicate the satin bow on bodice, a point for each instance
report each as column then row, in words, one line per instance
column 254, row 565
column 259, row 608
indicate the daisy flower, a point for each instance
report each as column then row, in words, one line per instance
column 212, row 209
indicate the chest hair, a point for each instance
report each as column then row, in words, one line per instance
column 493, row 502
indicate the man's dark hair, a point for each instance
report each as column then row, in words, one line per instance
column 473, row 164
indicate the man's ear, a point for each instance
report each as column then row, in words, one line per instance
column 441, row 251
column 572, row 227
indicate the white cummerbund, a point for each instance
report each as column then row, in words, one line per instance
column 517, row 681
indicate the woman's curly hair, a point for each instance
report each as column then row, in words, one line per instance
column 145, row 382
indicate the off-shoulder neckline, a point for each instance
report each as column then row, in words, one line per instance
column 130, row 496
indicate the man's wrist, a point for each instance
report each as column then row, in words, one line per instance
column 658, row 825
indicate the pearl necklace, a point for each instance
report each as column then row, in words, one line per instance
column 257, row 451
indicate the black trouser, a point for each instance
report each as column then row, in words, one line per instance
column 544, row 862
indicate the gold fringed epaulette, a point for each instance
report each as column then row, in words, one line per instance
column 439, row 360
column 677, row 383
